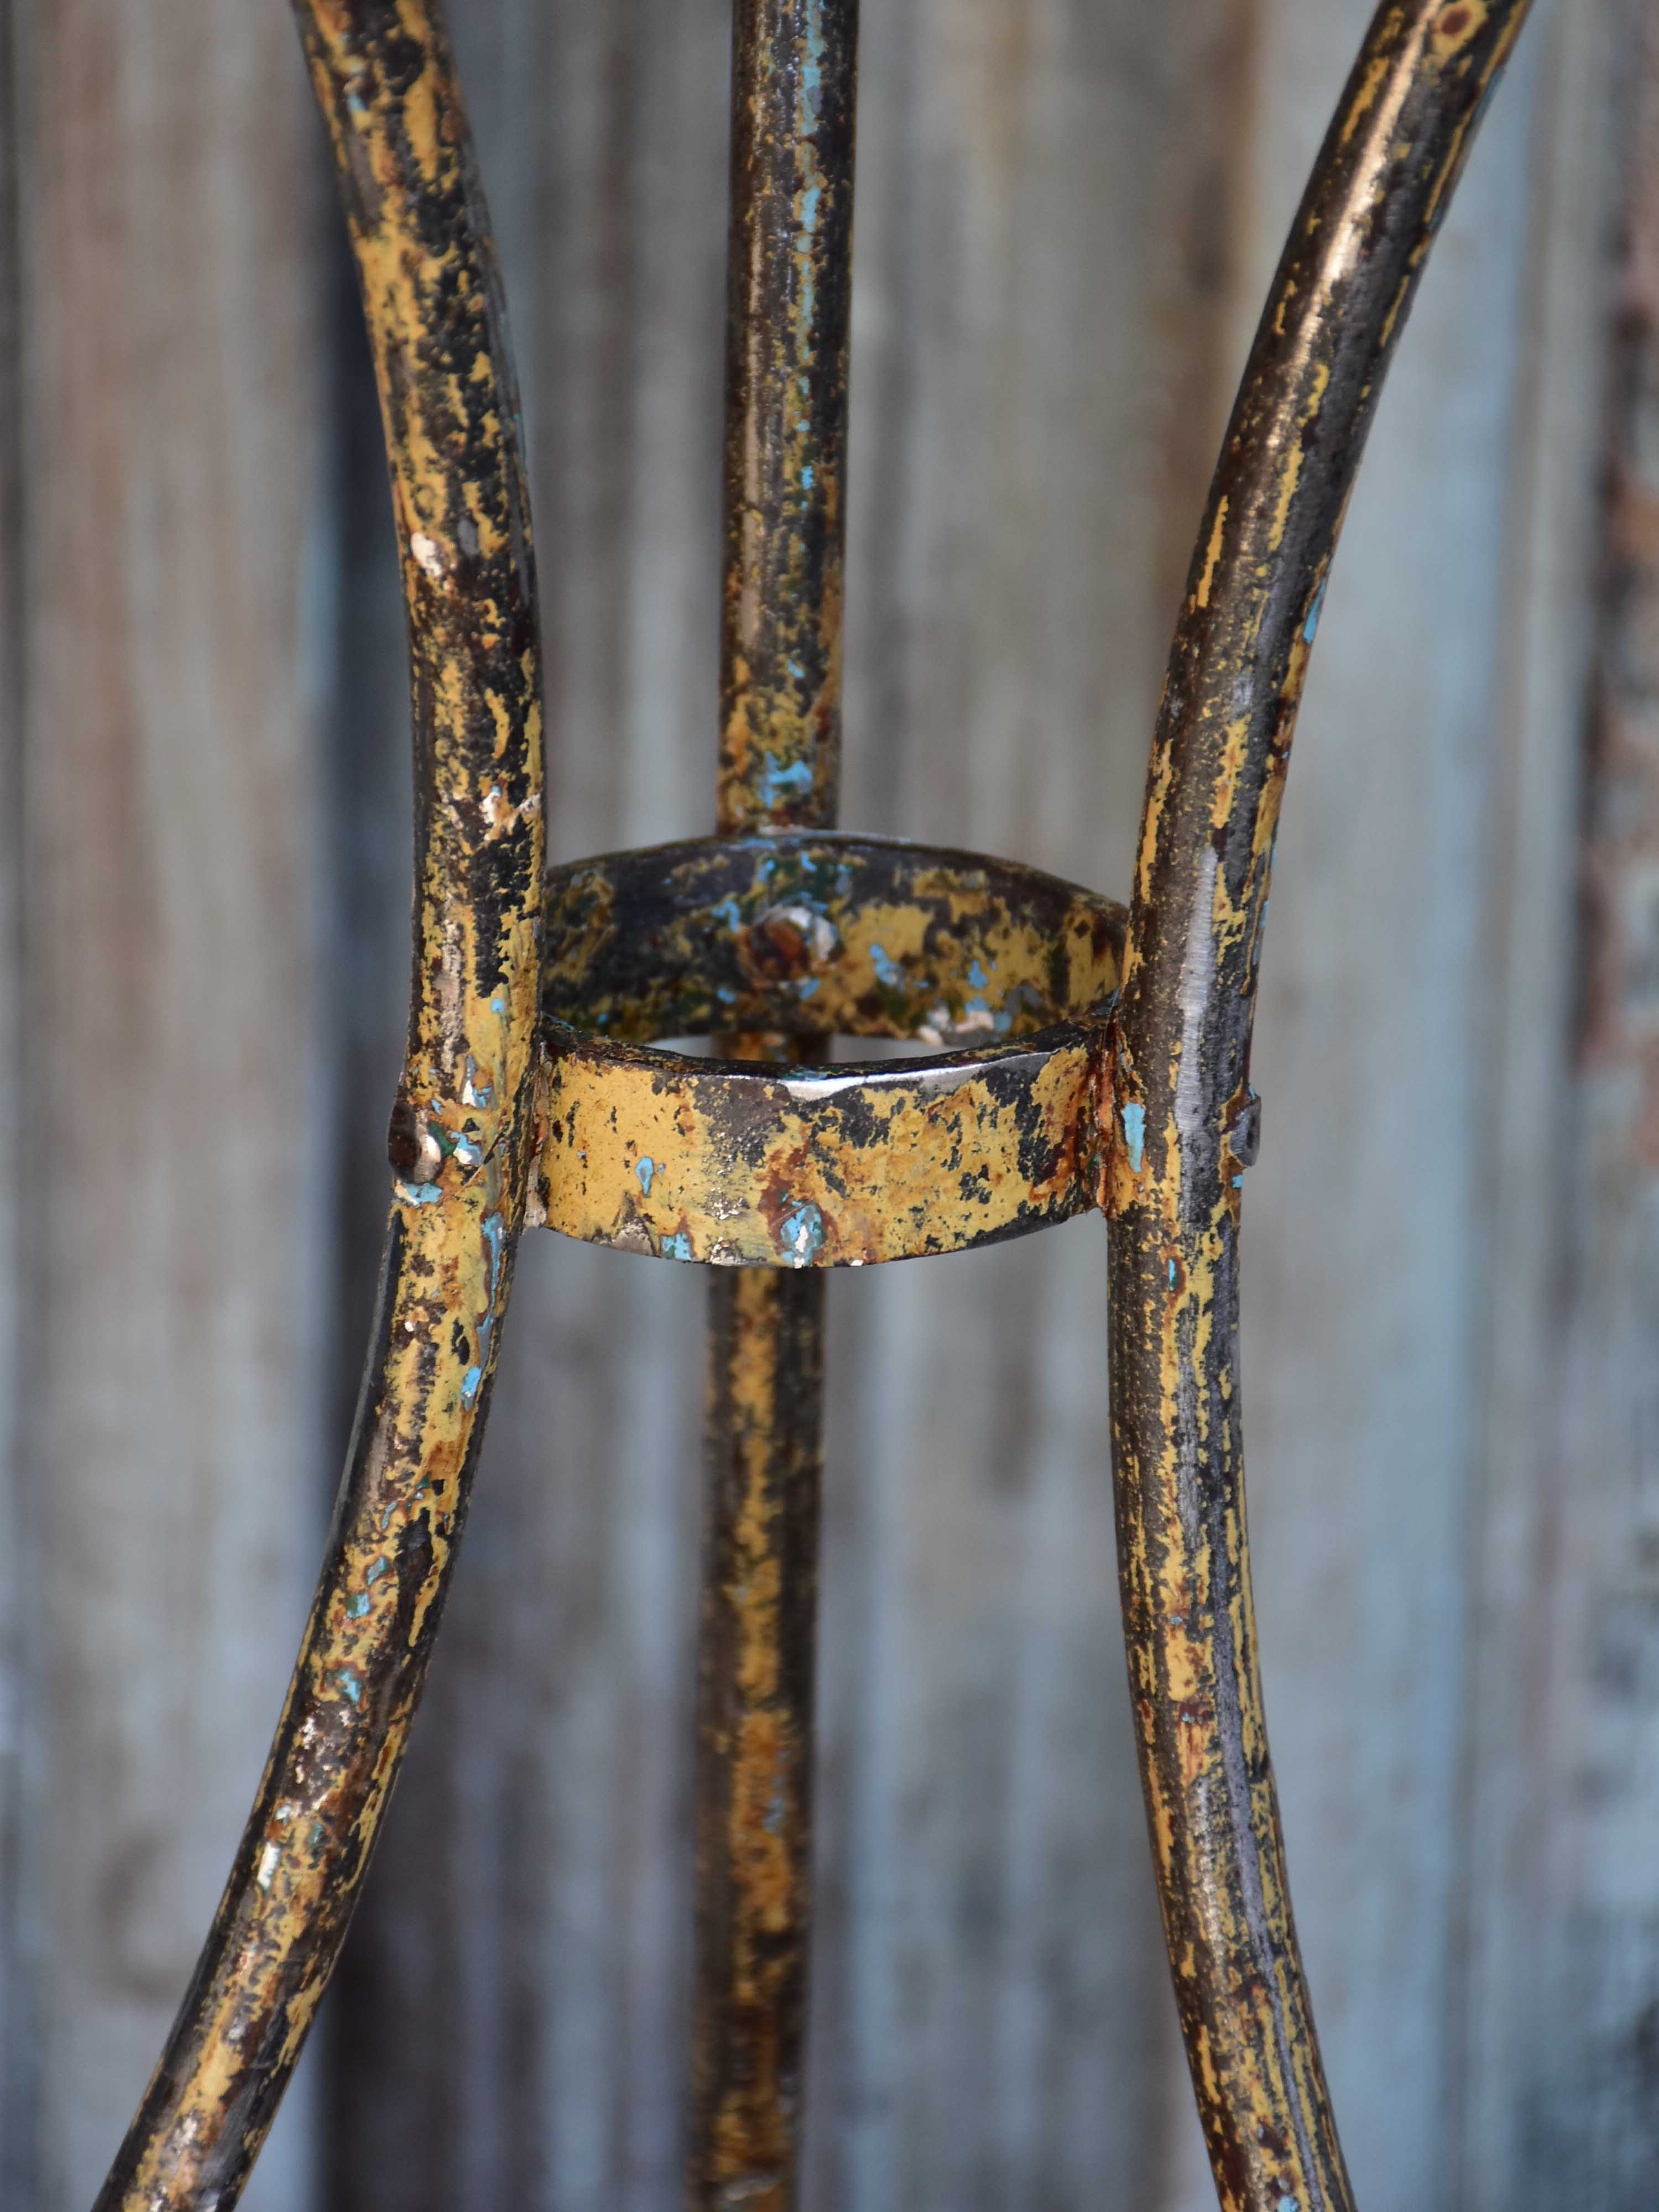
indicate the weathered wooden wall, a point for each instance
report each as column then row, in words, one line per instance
column 1067, row 210
column 171, row 1116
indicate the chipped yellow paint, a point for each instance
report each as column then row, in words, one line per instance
column 793, row 90
column 1202, row 594
column 1391, row 320
column 1371, row 82
column 1232, row 761
column 657, row 1153
column 1291, row 471
column 781, row 663
column 773, row 936
column 765, row 1745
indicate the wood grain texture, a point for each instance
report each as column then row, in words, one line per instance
column 1505, row 2051
column 174, row 1066
column 1023, row 392
column 1575, row 2093
column 1363, row 1403
column 19, row 1741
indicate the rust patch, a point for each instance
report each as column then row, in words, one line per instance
column 755, row 1165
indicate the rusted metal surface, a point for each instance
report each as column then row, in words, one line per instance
column 383, row 76
column 754, row 1734
column 789, row 288
column 749, row 1165
column 763, row 1474
column 821, row 935
column 789, row 276
column 1184, row 1113
column 831, row 1167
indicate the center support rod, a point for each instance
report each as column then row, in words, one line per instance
column 789, row 285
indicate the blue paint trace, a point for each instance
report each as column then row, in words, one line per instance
column 886, row 967
column 676, row 1247
column 419, row 1194
column 351, row 1683
column 646, row 1169
column 1308, row 630
column 778, row 783
column 495, row 1236
column 801, row 1232
column 1134, row 1135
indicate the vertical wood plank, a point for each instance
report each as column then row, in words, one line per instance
column 1364, row 1375
column 1503, row 2047
column 18, row 1742
column 172, row 1068
column 1576, row 2094
column 515, row 1999
column 1040, row 377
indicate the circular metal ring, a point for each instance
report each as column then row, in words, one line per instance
column 1007, row 972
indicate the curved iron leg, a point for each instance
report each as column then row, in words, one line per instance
column 1183, row 1112
column 459, row 1139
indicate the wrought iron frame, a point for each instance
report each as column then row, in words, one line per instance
column 1077, row 1057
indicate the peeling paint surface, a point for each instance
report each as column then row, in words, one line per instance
column 788, row 328
column 749, row 1165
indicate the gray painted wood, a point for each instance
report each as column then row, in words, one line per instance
column 174, row 1079
column 1506, row 2046
column 1584, row 2058
column 18, row 2078
column 1044, row 244
column 1364, row 1220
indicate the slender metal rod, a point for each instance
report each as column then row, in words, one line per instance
column 755, row 1734
column 789, row 280
column 789, row 274
column 1184, row 1114
column 384, row 79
